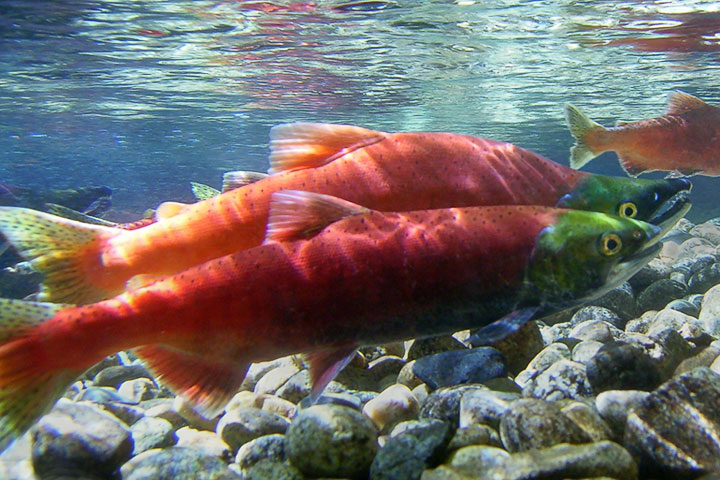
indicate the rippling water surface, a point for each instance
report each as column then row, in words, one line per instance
column 145, row 96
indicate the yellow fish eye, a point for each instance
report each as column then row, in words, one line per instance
column 610, row 244
column 627, row 209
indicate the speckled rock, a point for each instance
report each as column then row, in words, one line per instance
column 532, row 423
column 411, row 448
column 621, row 365
column 331, row 441
column 594, row 313
column 689, row 326
column 560, row 461
column 710, row 311
column 241, row 425
column 444, row 403
column 80, row 440
column 115, row 375
column 208, row 442
column 597, row 330
column 620, row 300
column 705, row 278
column 429, row 346
column 152, row 432
column 264, row 458
column 393, row 405
column 676, row 430
column 563, row 379
column 475, row 435
column 660, row 293
column 586, row 416
column 548, row 356
column 295, row 388
column 176, row 463
column 474, row 365
column 484, row 407
column 615, row 405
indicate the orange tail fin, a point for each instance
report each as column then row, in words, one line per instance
column 580, row 126
column 63, row 250
column 27, row 388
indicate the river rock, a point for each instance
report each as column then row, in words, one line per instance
column 675, row 432
column 208, row 442
column 520, row 347
column 79, row 440
column 474, row 365
column 710, row 311
column 597, row 330
column 660, row 293
column 264, row 458
column 532, row 423
column 241, row 425
column 705, row 278
column 115, row 375
column 412, row 447
column 615, row 405
column 331, row 441
column 684, row 306
column 485, row 406
column 620, row 300
column 475, row 435
column 432, row 345
column 176, row 463
column 393, row 405
column 563, row 379
column 621, row 365
column 585, row 350
column 152, row 432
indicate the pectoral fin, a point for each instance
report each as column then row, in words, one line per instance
column 325, row 365
column 500, row 329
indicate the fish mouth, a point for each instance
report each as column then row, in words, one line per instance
column 672, row 210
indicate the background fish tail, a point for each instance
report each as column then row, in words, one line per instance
column 580, row 126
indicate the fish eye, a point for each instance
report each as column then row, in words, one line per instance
column 610, row 244
column 627, row 209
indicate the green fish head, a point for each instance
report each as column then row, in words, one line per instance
column 660, row 202
column 585, row 254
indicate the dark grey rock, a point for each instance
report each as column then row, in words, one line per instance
column 330, row 398
column 81, row 440
column 475, row 435
column 106, row 362
column 264, row 458
column 152, row 432
column 474, row 365
column 176, row 463
column 419, row 445
column 269, row 470
column 621, row 365
column 429, row 346
column 705, row 278
column 331, row 441
column 444, row 403
column 620, row 300
column 650, row 273
column 675, row 432
column 115, row 375
column 296, row 387
column 384, row 366
column 520, row 347
column 660, row 293
column 684, row 306
column 592, row 312
column 531, row 423
column 241, row 425
column 484, row 407
column 586, row 416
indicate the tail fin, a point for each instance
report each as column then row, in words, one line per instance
column 580, row 126
column 27, row 388
column 65, row 251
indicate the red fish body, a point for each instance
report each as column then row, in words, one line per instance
column 686, row 140
column 369, row 277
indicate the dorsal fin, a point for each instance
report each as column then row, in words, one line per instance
column 294, row 146
column 233, row 180
column 202, row 191
column 169, row 209
column 296, row 215
column 681, row 102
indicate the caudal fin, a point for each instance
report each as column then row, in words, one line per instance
column 580, row 126
column 63, row 250
column 27, row 388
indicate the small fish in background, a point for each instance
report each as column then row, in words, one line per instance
column 89, row 200
column 331, row 276
column 685, row 141
column 383, row 171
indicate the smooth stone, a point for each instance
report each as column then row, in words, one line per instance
column 295, row 388
column 241, row 425
column 393, row 405
column 193, row 418
column 620, row 300
column 270, row 470
column 79, row 439
column 531, row 423
column 152, row 432
column 660, row 293
column 655, row 270
column 475, row 460
column 128, row 414
column 165, row 409
column 586, row 416
column 432, row 345
column 708, row 231
column 702, row 280
column 115, row 375
column 257, row 370
column 245, row 399
column 615, row 405
column 415, row 446
column 332, row 398
column 684, row 306
column 139, row 389
column 594, row 313
column 485, row 406
column 264, row 458
column 704, row 358
column 597, row 330
column 176, row 463
column 675, row 432
column 107, row 362
column 710, row 311
column 475, row 435
column 444, row 403
column 670, row 318
column 385, row 366
column 520, row 347
column 101, row 395
column 331, row 441
column 621, row 365
column 208, row 442
column 353, row 378
column 564, row 379
column 272, row 380
column 585, row 350
column 407, row 377
column 715, row 365
column 278, row 406
column 474, row 365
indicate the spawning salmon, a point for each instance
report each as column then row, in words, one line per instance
column 331, row 276
column 383, row 171
column 684, row 141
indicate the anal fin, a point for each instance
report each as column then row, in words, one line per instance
column 207, row 383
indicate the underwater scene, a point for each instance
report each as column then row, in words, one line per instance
column 337, row 239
